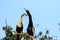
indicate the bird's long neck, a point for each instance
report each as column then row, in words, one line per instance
column 30, row 20
column 21, row 19
column 30, row 17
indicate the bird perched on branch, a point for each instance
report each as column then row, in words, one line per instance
column 19, row 27
column 30, row 29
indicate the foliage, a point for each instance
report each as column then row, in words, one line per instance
column 11, row 36
column 8, row 33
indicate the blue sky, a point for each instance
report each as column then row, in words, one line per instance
column 46, row 13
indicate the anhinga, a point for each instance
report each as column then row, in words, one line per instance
column 30, row 29
column 19, row 27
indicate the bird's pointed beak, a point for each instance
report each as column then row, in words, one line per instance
column 24, row 9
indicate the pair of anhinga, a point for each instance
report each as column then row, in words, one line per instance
column 30, row 28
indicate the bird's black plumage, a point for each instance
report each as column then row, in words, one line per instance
column 19, row 30
column 19, row 27
column 30, row 29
